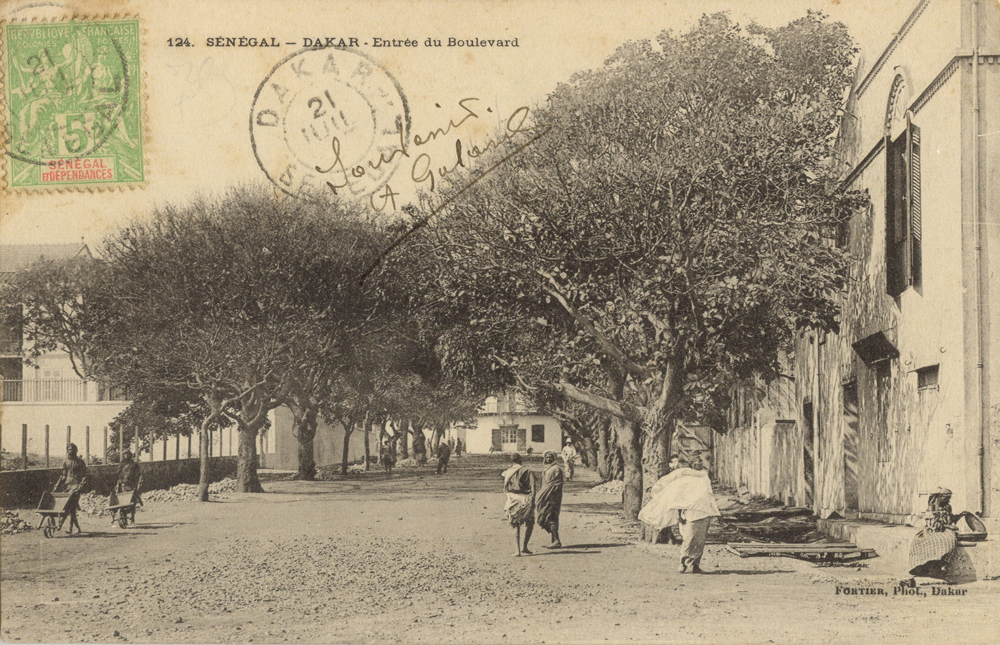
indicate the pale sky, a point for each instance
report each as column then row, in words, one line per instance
column 198, row 99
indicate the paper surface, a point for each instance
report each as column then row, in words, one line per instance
column 169, row 101
column 195, row 101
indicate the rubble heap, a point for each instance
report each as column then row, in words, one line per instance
column 189, row 492
column 613, row 487
column 12, row 523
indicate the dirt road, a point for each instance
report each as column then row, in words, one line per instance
column 418, row 558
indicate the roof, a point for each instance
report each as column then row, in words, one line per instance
column 14, row 257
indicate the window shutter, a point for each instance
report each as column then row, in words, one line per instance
column 913, row 161
column 496, row 439
column 522, row 439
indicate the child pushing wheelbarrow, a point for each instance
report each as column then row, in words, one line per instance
column 60, row 504
column 123, row 500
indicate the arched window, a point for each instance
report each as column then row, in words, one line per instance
column 902, row 192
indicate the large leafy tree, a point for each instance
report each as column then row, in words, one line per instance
column 666, row 235
column 238, row 300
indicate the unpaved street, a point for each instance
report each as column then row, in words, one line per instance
column 418, row 558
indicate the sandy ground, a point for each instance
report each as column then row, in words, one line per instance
column 418, row 558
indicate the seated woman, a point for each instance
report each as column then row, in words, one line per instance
column 934, row 544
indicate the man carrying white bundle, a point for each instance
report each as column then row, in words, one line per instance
column 684, row 497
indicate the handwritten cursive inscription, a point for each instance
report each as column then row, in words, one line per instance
column 425, row 171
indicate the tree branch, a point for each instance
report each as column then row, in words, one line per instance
column 619, row 409
column 605, row 343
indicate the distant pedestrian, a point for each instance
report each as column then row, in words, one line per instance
column 519, row 486
column 129, row 476
column 548, row 502
column 569, row 456
column 74, row 478
column 458, row 447
column 443, row 455
column 684, row 497
column 388, row 456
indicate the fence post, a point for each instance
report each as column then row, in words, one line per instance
column 24, row 446
column 105, row 444
column 46, row 445
column 86, row 443
column 164, row 449
column 177, row 451
column 69, row 435
column 189, row 445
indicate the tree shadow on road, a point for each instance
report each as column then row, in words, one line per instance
column 106, row 534
column 744, row 572
column 599, row 508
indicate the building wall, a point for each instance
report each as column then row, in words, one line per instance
column 24, row 488
column 479, row 440
column 989, row 272
column 933, row 435
column 57, row 416
column 764, row 457
column 328, row 445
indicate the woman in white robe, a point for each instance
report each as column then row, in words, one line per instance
column 684, row 497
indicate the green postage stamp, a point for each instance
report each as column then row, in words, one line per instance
column 72, row 104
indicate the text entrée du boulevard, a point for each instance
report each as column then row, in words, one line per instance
column 323, row 42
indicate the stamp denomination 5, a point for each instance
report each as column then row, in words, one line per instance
column 73, row 104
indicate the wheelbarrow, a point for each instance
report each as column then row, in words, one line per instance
column 54, row 509
column 121, row 506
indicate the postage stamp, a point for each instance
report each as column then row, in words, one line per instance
column 72, row 104
column 329, row 119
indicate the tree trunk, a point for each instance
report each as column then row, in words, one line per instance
column 402, row 431
column 348, row 429
column 368, row 450
column 203, row 443
column 419, row 444
column 305, row 432
column 655, row 457
column 603, row 452
column 246, row 467
column 631, row 447
column 587, row 451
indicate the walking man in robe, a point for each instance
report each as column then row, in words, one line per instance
column 443, row 455
column 684, row 497
column 519, row 486
column 548, row 502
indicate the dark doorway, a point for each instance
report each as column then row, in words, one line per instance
column 851, row 446
column 808, row 463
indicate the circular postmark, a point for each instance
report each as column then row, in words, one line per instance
column 70, row 90
column 329, row 119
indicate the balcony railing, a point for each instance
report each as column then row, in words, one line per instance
column 59, row 391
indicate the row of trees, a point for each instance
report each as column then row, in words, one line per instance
column 214, row 314
column 663, row 237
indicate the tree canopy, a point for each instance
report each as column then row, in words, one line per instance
column 668, row 235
